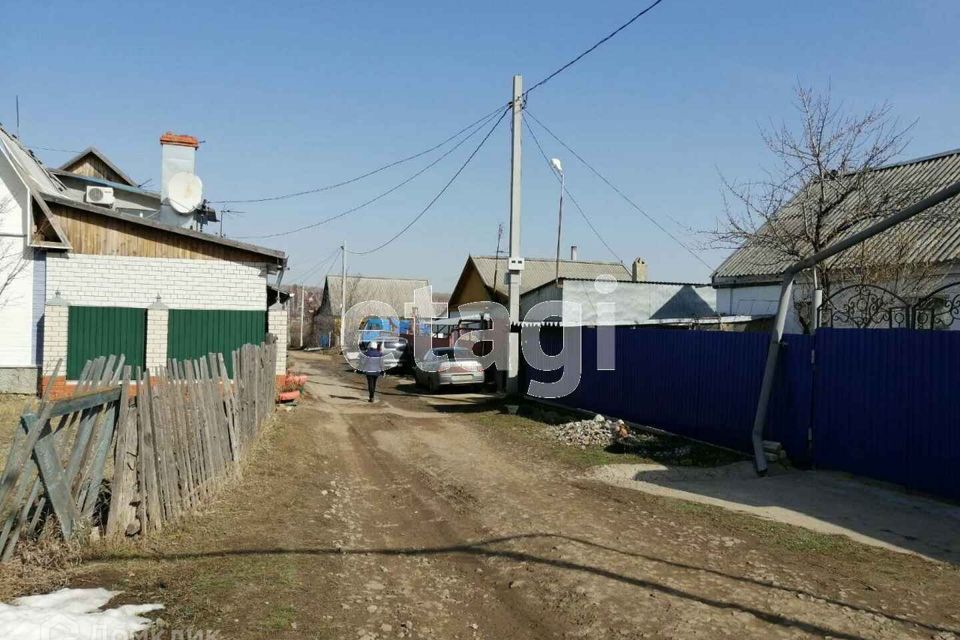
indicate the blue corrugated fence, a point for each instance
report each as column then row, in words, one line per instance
column 881, row 403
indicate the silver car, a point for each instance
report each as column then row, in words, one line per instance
column 448, row 366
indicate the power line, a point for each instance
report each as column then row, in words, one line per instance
column 619, row 192
column 395, row 163
column 322, row 262
column 442, row 191
column 380, row 196
column 576, row 204
column 591, row 49
column 51, row 149
column 419, row 154
column 330, row 268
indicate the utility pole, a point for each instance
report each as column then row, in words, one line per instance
column 302, row 301
column 343, row 289
column 515, row 261
column 555, row 164
column 496, row 256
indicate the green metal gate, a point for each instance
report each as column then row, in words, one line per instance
column 192, row 333
column 102, row 331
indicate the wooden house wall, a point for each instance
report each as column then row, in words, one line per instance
column 100, row 235
column 470, row 288
column 93, row 167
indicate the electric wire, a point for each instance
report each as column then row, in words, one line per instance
column 330, row 268
column 440, row 193
column 295, row 194
column 576, row 204
column 593, row 48
column 419, row 154
column 380, row 196
column 51, row 149
column 618, row 191
column 322, row 262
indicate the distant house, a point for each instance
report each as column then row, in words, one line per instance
column 484, row 277
column 106, row 267
column 396, row 292
column 748, row 281
column 671, row 304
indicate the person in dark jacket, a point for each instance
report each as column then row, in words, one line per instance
column 371, row 364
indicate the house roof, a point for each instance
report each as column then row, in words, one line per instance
column 71, row 164
column 33, row 172
column 274, row 255
column 122, row 186
column 396, row 292
column 634, row 302
column 47, row 187
column 630, row 280
column 540, row 271
column 931, row 237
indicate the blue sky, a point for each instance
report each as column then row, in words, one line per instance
column 289, row 97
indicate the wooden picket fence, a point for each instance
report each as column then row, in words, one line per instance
column 126, row 454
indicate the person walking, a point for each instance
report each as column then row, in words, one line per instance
column 371, row 364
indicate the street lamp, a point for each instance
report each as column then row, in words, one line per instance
column 558, row 168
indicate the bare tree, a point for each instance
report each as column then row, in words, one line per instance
column 825, row 184
column 12, row 263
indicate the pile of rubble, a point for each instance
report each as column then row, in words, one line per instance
column 584, row 433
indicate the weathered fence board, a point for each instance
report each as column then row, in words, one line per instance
column 174, row 436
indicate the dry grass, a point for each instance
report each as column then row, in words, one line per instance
column 40, row 565
column 11, row 406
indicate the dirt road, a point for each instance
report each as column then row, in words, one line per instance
column 438, row 518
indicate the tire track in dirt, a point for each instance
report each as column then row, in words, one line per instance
column 445, row 595
column 691, row 601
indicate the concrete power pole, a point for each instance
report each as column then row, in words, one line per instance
column 343, row 290
column 515, row 261
column 302, row 301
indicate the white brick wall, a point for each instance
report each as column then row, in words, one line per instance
column 55, row 321
column 156, row 354
column 277, row 325
column 123, row 281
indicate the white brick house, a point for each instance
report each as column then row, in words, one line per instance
column 124, row 277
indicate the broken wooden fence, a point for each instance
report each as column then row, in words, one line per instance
column 127, row 453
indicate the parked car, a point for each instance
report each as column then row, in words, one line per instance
column 448, row 366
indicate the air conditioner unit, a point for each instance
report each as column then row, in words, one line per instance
column 100, row 195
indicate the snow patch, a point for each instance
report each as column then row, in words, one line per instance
column 72, row 614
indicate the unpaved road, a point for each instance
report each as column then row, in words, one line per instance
column 414, row 517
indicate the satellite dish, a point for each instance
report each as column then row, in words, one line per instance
column 184, row 192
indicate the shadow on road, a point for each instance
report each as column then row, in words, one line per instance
column 484, row 548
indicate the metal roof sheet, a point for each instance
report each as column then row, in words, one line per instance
column 930, row 238
column 38, row 177
column 539, row 271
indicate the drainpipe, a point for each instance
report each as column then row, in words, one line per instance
column 788, row 276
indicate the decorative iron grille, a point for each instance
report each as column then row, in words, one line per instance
column 869, row 306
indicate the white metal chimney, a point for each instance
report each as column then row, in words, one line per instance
column 573, row 252
column 178, row 156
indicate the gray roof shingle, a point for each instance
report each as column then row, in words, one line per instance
column 930, row 238
column 397, row 292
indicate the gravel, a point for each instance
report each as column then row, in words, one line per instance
column 584, row 433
